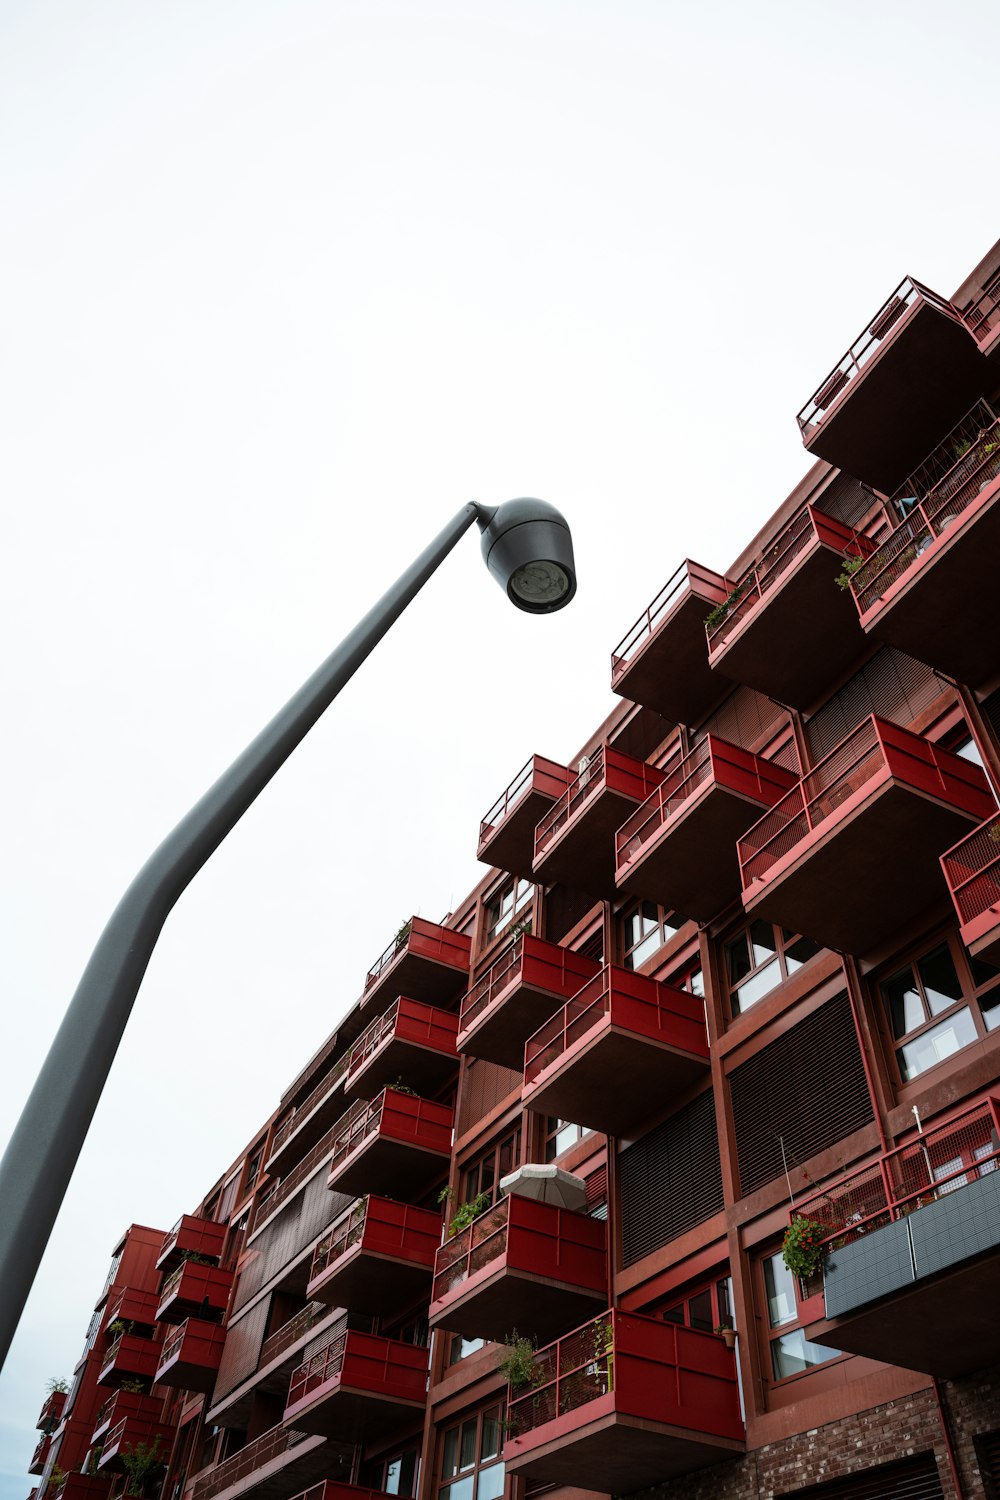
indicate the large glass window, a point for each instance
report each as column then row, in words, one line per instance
column 937, row 1005
column 560, row 1135
column 708, row 1308
column 760, row 957
column 471, row 1464
column 645, row 927
column 501, row 911
column 484, row 1173
column 791, row 1352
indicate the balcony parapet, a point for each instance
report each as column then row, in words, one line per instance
column 131, row 1304
column 574, row 842
column 194, row 1288
column 52, row 1409
column 826, row 860
column 279, row 1459
column 379, row 1254
column 125, row 1404
column 190, row 1355
column 972, row 871
column 516, row 994
column 410, row 1040
column 507, row 832
column 128, row 1433
column 358, row 1385
column 280, row 1191
column 662, row 662
column 40, row 1455
column 191, row 1236
column 426, row 961
column 390, row 1144
column 129, row 1357
column 309, row 1110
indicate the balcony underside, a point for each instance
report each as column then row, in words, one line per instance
column 499, row 1033
column 188, row 1375
column 614, row 1081
column 617, row 1454
column 671, row 673
column 368, row 1282
column 350, row 1414
column 797, row 641
column 300, row 1141
column 390, row 1168
column 909, row 395
column 293, row 1471
column 860, row 876
column 691, row 865
column 582, row 853
column 511, row 846
column 943, row 609
column 420, row 978
column 494, row 1303
column 424, row 1069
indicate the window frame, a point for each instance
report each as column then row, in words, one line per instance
column 522, row 893
column 471, row 1185
column 973, row 994
column 445, row 1485
column 784, row 942
column 667, row 922
column 551, row 1131
column 771, row 1333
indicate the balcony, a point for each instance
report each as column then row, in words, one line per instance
column 52, row 1409
column 194, row 1289
column 412, row 1041
column 190, row 1355
column 853, row 850
column 507, row 833
column 276, row 1464
column 515, row 995
column 623, row 1027
column 330, row 1490
column 191, row 1236
column 972, row 870
column 679, row 847
column 81, row 1487
column 983, row 320
column 359, row 1386
column 311, row 1119
column 394, row 1146
column 911, row 373
column 425, row 961
column 127, row 1434
column 663, row 661
column 129, row 1357
column 788, row 630
column 40, row 1455
column 623, row 1403
column 912, row 1275
column 379, row 1257
column 575, row 841
column 521, row 1264
column 129, row 1305
column 928, row 588
column 122, row 1404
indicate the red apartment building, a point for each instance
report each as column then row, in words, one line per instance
column 740, row 959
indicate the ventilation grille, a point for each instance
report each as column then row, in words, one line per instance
column 846, row 500
column 807, row 1088
column 241, row 1350
column 596, row 1186
column 484, row 1086
column 914, row 1479
column 891, row 684
column 671, row 1180
column 744, row 719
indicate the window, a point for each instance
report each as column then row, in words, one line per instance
column 709, row 1308
column 471, row 1465
column 791, row 1351
column 502, row 910
column 931, row 1006
column 759, row 958
column 645, row 927
column 460, row 1348
column 483, row 1174
column 253, row 1169
column 560, row 1135
column 395, row 1475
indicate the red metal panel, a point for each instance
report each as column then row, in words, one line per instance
column 194, row 1346
column 972, row 870
column 608, row 768
column 127, row 1357
column 129, row 1432
column 529, row 964
column 192, row 1286
column 52, row 1410
column 426, row 940
column 385, row 1368
column 405, row 1020
column 126, row 1404
column 201, row 1236
column 545, row 777
column 132, row 1305
column 383, row 1227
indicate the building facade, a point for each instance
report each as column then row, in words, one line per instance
column 734, row 969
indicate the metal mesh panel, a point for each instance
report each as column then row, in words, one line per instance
column 891, row 684
column 484, row 1086
column 972, row 869
column 744, row 718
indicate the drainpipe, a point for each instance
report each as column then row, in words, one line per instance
column 946, row 1434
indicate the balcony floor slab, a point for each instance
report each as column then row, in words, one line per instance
column 616, row 1454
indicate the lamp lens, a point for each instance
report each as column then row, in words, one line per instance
column 540, row 584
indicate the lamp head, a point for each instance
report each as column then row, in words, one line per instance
column 529, row 550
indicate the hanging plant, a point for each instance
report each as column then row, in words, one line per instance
column 517, row 1363
column 802, row 1249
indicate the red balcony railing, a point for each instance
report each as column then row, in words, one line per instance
column 125, row 1404
column 198, row 1236
column 379, row 1373
column 52, row 1409
column 411, row 1040
column 650, row 1033
column 289, row 1333
column 280, row 1191
column 506, row 833
column 680, row 1384
column 396, row 1235
column 131, row 1432
column 972, row 870
column 526, row 983
column 41, row 1453
column 326, row 1087
column 272, row 1445
column 194, row 1288
column 662, row 662
column 129, row 1357
column 574, row 842
column 522, row 1264
column 983, row 317
column 407, row 1127
column 605, row 767
column 132, row 1305
column 191, row 1355
column 427, row 961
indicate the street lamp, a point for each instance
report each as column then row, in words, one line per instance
column 528, row 549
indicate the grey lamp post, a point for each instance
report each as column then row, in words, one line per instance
column 528, row 549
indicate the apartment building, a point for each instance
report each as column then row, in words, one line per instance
column 737, row 966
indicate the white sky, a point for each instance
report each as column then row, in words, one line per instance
column 284, row 285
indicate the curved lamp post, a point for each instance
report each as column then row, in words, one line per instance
column 528, row 549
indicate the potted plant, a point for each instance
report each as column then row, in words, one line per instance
column 802, row 1249
column 727, row 1333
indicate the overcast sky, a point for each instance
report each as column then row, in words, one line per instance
column 284, row 285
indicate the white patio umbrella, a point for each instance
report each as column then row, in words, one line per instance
column 547, row 1184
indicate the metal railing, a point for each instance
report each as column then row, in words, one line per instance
column 289, row 1333
column 650, row 619
column 361, row 1120
column 493, row 983
column 115, row 1435
column 682, row 781
column 580, row 788
column 399, row 945
column 830, row 390
column 173, row 1342
column 270, row 1445
column 461, row 1256
column 301, row 1112
column 972, row 870
column 974, row 471
column 507, row 799
column 342, row 1237
column 111, row 1352
column 573, row 1371
column 172, row 1282
column 982, row 317
column 326, row 1364
column 281, row 1190
column 944, row 456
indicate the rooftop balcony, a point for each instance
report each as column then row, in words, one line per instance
column 127, row 1434
column 129, row 1357
column 194, row 1290
column 787, row 629
column 52, row 1409
column 311, row 1119
column 575, row 841
column 190, row 1355
column 360, row 1385
column 616, row 1052
column 679, row 847
column 40, row 1455
column 529, row 981
column 972, row 870
column 912, row 372
column 623, row 1403
column 394, row 1145
column 663, row 661
column 928, row 588
column 412, row 1041
column 275, row 1465
column 379, row 1257
column 425, row 961
column 853, row 849
column 130, row 1305
column 521, row 1264
column 507, row 833
column 191, row 1236
column 912, row 1275
column 122, row 1404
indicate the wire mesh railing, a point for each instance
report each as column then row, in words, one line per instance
column 650, row 620
column 498, row 977
column 586, row 782
column 265, row 1449
column 466, row 1253
column 289, row 1333
column 347, row 1233
column 507, row 799
column 972, row 870
column 323, row 1089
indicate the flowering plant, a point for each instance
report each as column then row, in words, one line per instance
column 802, row 1249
